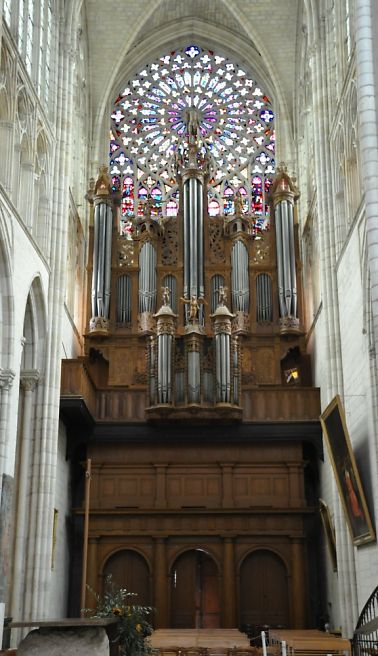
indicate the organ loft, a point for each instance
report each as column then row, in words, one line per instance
column 194, row 402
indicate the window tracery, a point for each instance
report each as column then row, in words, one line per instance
column 150, row 122
column 31, row 24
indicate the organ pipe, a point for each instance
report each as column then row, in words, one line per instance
column 147, row 278
column 193, row 238
column 165, row 355
column 239, row 277
column 123, row 315
column 263, row 298
column 223, row 365
column 284, row 193
column 103, row 225
column 102, row 252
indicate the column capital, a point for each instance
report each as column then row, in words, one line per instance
column 6, row 378
column 29, row 379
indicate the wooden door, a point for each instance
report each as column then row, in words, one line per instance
column 129, row 570
column 264, row 595
column 195, row 591
column 209, row 607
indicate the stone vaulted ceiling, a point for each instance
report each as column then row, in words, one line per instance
column 116, row 28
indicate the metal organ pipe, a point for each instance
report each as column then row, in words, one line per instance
column 280, row 258
column 284, row 196
column 239, row 277
column 193, row 277
column 222, row 368
column 186, row 224
column 165, row 353
column 286, row 258
column 223, row 353
column 102, row 253
column 194, row 375
column 124, row 300
column 201, row 286
column 235, row 372
column 147, row 278
column 164, row 385
column 292, row 259
column 193, row 240
column 263, row 298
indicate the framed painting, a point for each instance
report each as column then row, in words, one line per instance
column 346, row 473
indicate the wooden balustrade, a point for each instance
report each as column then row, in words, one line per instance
column 275, row 403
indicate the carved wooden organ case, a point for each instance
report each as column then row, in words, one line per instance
column 192, row 308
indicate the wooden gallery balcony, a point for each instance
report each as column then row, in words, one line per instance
column 279, row 406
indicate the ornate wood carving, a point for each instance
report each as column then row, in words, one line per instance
column 216, row 242
column 169, row 243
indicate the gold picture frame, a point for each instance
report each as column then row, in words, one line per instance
column 329, row 532
column 346, row 473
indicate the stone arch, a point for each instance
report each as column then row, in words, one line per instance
column 24, row 176
column 35, row 328
column 41, row 228
column 32, row 365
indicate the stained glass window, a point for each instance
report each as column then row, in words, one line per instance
column 236, row 132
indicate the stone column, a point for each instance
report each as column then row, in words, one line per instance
column 6, row 380
column 332, row 376
column 298, row 597
column 28, row 382
column 160, row 584
column 229, row 584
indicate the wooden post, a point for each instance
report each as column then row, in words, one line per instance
column 160, row 584
column 85, row 536
column 229, row 591
column 297, row 582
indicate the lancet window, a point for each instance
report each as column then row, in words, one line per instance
column 150, row 130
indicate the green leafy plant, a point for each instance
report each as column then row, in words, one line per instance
column 133, row 626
